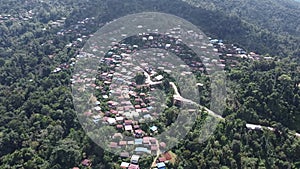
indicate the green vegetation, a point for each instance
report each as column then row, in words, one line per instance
column 39, row 127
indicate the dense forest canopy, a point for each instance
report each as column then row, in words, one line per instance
column 39, row 42
column 219, row 23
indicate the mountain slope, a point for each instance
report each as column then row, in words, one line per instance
column 214, row 22
column 278, row 16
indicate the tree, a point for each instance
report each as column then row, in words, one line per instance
column 66, row 154
column 140, row 78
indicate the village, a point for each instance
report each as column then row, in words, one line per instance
column 230, row 54
column 134, row 105
column 149, row 84
column 127, row 98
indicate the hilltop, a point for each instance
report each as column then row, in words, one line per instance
column 253, row 28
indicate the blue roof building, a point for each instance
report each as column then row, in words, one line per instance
column 161, row 165
column 153, row 128
column 138, row 141
column 142, row 150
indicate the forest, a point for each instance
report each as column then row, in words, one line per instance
column 39, row 128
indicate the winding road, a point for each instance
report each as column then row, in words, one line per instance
column 210, row 112
column 179, row 97
column 248, row 125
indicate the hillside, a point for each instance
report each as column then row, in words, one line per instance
column 278, row 16
column 40, row 43
column 215, row 21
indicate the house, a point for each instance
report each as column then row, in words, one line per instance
column 162, row 145
column 137, row 106
column 124, row 165
column 86, row 162
column 154, row 148
column 139, row 133
column 200, row 84
column 177, row 102
column 150, row 38
column 115, row 112
column 133, row 166
column 128, row 122
column 130, row 142
column 147, row 117
column 162, row 159
column 161, row 165
column 153, row 140
column 128, row 127
column 111, row 121
column 168, row 156
column 146, row 140
column 123, row 143
column 113, row 145
column 116, row 135
column 253, row 127
column 119, row 119
column 135, row 159
column 153, row 128
column 124, row 154
column 138, row 141
column 119, row 126
column 159, row 78
column 141, row 150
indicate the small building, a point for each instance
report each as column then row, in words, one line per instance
column 153, row 128
column 111, row 121
column 128, row 122
column 139, row 132
column 162, row 159
column 124, row 154
column 168, row 46
column 177, row 102
column 123, row 143
column 162, row 145
column 161, row 165
column 130, row 142
column 119, row 126
column 168, row 156
column 138, row 141
column 135, row 159
column 113, row 145
column 141, row 150
column 86, row 162
column 147, row 117
column 159, row 78
column 119, row 119
column 200, row 84
column 128, row 128
column 153, row 140
column 146, row 140
column 124, row 165
column 133, row 166
column 154, row 148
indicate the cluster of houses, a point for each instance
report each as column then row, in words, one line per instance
column 129, row 104
column 231, row 54
column 57, row 23
column 22, row 16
